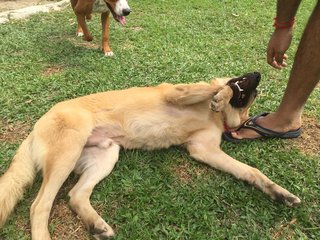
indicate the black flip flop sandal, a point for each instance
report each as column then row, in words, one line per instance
column 252, row 124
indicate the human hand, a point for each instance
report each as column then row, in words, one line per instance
column 278, row 45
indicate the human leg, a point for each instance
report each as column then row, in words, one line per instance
column 304, row 76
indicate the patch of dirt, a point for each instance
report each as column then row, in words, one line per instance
column 13, row 132
column 51, row 70
column 185, row 173
column 136, row 28
column 308, row 142
column 182, row 172
column 67, row 225
column 285, row 231
column 7, row 5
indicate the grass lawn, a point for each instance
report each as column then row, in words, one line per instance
column 163, row 194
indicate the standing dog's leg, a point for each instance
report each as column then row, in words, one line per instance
column 82, row 29
column 88, row 16
column 79, row 29
column 205, row 149
column 82, row 8
column 105, row 22
column 95, row 164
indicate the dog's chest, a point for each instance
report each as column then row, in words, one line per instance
column 155, row 130
column 99, row 6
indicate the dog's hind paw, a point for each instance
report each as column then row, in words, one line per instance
column 109, row 54
column 101, row 230
column 79, row 34
column 87, row 38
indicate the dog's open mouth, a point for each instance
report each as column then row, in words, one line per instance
column 118, row 18
column 244, row 89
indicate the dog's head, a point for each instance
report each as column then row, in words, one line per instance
column 244, row 89
column 119, row 9
column 243, row 93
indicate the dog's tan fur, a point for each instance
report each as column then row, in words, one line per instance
column 85, row 134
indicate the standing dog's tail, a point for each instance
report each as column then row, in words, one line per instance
column 19, row 175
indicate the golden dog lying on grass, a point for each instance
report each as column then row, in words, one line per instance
column 85, row 135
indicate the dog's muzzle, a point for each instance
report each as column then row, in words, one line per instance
column 126, row 11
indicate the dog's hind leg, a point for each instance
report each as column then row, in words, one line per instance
column 204, row 149
column 82, row 8
column 59, row 161
column 79, row 29
column 95, row 164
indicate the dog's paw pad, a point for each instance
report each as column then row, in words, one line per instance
column 101, row 230
column 109, row 54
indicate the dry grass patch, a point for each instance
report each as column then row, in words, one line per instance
column 285, row 231
column 136, row 28
column 50, row 70
column 182, row 172
column 67, row 225
column 185, row 172
column 308, row 142
column 13, row 132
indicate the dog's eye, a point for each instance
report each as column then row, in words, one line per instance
column 243, row 79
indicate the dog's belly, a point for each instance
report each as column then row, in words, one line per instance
column 141, row 134
column 99, row 6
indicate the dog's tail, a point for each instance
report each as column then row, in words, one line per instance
column 19, row 175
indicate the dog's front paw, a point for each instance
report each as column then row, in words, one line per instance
column 220, row 99
column 282, row 195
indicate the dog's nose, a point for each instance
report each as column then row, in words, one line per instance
column 257, row 76
column 126, row 11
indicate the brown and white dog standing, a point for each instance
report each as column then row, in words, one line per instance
column 83, row 9
column 85, row 135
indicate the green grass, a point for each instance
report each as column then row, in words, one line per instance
column 172, row 41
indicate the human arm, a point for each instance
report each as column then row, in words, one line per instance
column 282, row 35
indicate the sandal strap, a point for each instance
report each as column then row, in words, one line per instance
column 252, row 124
